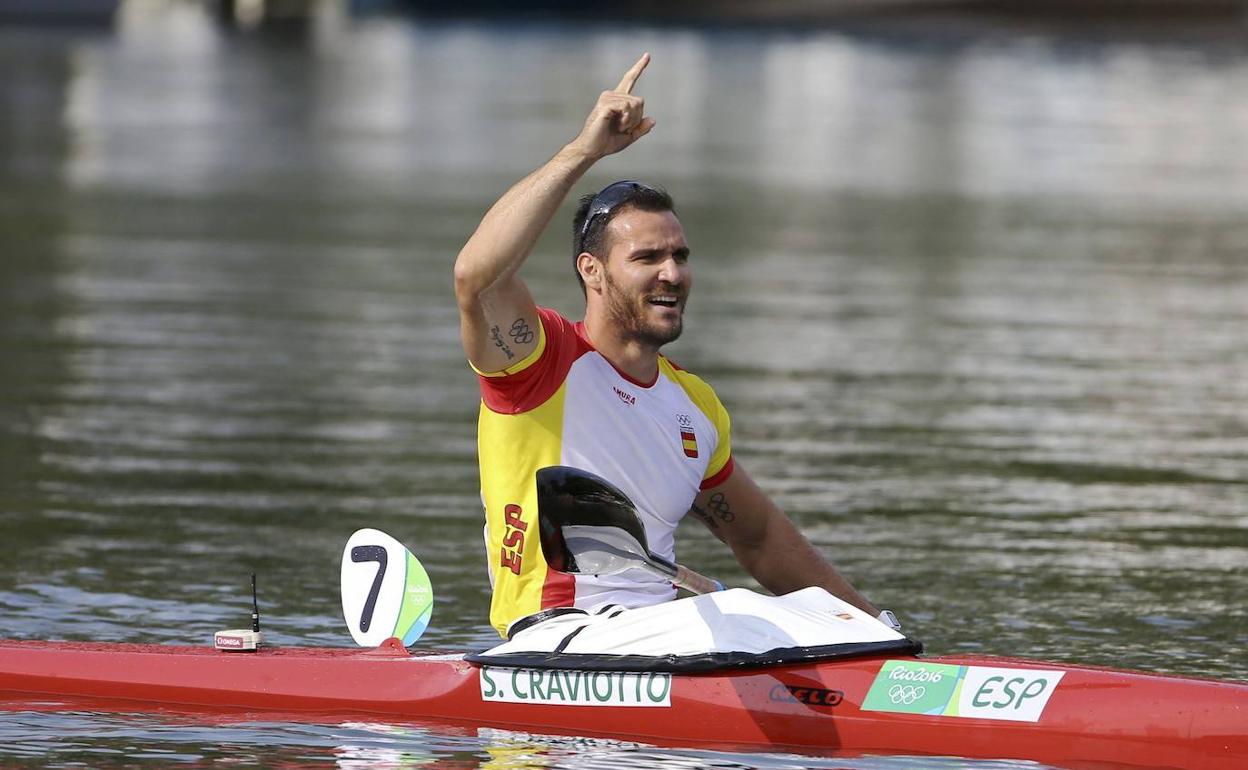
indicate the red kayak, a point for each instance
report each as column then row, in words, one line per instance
column 967, row 706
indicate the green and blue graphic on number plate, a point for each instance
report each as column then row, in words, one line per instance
column 416, row 607
column 979, row 692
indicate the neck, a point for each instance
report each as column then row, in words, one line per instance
column 637, row 360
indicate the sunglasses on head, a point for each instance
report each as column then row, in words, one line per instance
column 606, row 201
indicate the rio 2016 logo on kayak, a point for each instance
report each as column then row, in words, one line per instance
column 981, row 692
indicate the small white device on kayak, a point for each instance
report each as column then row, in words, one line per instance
column 242, row 639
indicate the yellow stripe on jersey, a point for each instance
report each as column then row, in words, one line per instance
column 509, row 491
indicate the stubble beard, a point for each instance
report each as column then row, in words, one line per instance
column 628, row 315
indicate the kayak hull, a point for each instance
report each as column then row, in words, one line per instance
column 998, row 707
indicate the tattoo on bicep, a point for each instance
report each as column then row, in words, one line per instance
column 704, row 517
column 520, row 332
column 719, row 506
column 497, row 335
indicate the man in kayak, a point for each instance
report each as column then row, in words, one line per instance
column 597, row 394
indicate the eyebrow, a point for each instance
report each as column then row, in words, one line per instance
column 646, row 253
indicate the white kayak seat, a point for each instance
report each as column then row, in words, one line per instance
column 725, row 629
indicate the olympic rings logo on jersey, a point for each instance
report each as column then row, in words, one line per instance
column 905, row 694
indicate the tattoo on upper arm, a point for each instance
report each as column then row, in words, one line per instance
column 497, row 335
column 719, row 509
column 520, row 332
column 704, row 517
column 719, row 506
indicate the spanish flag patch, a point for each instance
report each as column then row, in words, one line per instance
column 689, row 442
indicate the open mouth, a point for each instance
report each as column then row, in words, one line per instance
column 664, row 300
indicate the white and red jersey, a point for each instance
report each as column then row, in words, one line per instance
column 660, row 442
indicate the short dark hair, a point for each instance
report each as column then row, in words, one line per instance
column 590, row 236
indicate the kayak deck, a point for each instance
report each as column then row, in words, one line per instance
column 967, row 706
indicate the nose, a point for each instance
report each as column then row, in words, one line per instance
column 672, row 271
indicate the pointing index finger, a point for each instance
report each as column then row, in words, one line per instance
column 630, row 77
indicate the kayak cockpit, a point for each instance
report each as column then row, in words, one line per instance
column 711, row 632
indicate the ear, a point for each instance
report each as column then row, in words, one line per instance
column 590, row 268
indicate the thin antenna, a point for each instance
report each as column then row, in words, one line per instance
column 240, row 639
column 255, row 606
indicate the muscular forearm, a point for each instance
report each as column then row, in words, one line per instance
column 511, row 227
column 766, row 542
column 786, row 561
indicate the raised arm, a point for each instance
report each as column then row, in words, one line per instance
column 497, row 315
column 766, row 542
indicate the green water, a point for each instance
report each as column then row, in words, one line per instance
column 976, row 306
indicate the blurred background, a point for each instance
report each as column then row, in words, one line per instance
column 970, row 277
